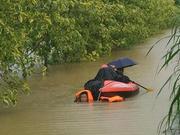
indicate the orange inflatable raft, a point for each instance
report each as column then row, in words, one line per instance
column 115, row 88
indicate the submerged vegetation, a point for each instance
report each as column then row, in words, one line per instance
column 42, row 32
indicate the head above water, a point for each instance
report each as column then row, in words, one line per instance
column 82, row 97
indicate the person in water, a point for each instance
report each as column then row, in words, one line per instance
column 106, row 72
column 83, row 96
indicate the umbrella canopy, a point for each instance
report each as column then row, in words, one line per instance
column 122, row 62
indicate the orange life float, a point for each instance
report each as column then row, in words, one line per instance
column 112, row 99
column 89, row 95
column 102, row 98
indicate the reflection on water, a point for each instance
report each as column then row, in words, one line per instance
column 50, row 110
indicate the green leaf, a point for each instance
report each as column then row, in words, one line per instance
column 20, row 18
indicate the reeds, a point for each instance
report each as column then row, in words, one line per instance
column 171, row 123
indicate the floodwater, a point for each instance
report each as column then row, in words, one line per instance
column 50, row 110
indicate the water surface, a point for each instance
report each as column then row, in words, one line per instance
column 50, row 110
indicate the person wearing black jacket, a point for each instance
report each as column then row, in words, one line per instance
column 106, row 73
column 111, row 73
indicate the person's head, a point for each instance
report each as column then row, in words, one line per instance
column 114, row 67
column 83, row 97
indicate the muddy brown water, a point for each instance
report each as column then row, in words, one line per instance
column 50, row 110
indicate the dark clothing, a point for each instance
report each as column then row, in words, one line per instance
column 94, row 86
column 122, row 78
column 103, row 74
column 109, row 73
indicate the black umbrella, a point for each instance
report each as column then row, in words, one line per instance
column 122, row 62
